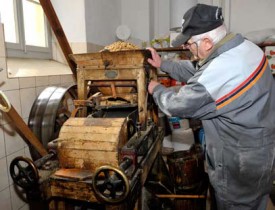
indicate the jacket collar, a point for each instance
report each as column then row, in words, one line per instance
column 228, row 42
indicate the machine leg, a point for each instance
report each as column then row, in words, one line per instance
column 60, row 205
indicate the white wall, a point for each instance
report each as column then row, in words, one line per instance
column 178, row 8
column 95, row 21
column 71, row 14
column 147, row 19
column 102, row 19
column 251, row 15
column 161, row 19
column 136, row 15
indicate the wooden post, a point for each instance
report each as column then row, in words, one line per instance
column 82, row 90
column 59, row 33
column 142, row 98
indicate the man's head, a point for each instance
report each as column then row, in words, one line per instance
column 202, row 45
column 198, row 20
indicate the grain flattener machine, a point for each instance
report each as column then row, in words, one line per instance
column 105, row 151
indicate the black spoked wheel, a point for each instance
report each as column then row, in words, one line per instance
column 110, row 184
column 23, row 172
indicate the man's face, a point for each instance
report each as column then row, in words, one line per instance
column 199, row 48
column 193, row 46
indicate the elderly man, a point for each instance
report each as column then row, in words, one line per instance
column 231, row 89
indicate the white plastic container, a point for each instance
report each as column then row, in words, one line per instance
column 182, row 139
column 178, row 123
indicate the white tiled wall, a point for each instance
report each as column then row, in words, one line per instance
column 21, row 92
column 5, row 199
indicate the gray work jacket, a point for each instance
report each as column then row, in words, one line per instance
column 233, row 93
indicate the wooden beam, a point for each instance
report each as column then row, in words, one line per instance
column 180, row 196
column 59, row 33
column 26, row 131
column 20, row 124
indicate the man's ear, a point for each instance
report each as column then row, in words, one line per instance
column 208, row 44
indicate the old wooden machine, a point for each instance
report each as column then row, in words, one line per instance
column 106, row 149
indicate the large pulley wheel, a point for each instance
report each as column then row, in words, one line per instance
column 23, row 172
column 49, row 112
column 110, row 184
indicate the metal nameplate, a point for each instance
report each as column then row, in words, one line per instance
column 111, row 74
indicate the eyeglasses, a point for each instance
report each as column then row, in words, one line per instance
column 188, row 45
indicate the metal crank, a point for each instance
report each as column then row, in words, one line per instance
column 24, row 172
column 111, row 184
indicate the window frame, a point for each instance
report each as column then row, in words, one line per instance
column 20, row 49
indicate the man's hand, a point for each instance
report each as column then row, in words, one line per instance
column 156, row 60
column 152, row 85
